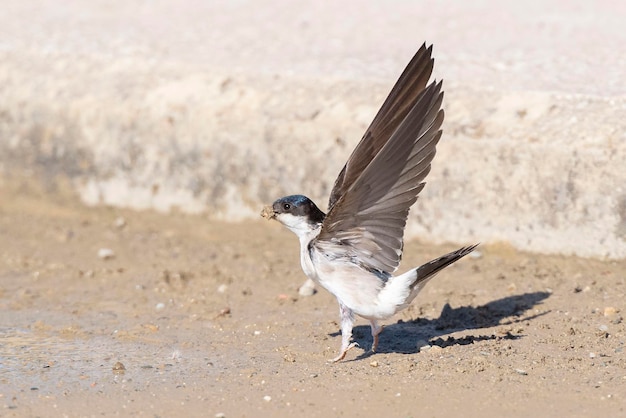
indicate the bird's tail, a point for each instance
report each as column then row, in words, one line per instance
column 400, row 291
column 430, row 269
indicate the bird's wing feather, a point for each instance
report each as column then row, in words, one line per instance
column 367, row 221
column 400, row 101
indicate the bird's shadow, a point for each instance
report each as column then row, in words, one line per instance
column 402, row 337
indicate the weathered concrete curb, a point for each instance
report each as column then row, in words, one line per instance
column 541, row 171
column 220, row 107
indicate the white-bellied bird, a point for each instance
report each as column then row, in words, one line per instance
column 354, row 249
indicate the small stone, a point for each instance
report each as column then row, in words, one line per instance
column 603, row 331
column 307, row 289
column 220, row 415
column 119, row 222
column 159, row 306
column 119, row 368
column 267, row 398
column 105, row 253
column 374, row 363
column 475, row 254
column 224, row 311
column 592, row 355
column 257, row 332
column 610, row 311
column 521, row 371
column 222, row 288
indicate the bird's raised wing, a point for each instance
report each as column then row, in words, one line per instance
column 400, row 101
column 367, row 221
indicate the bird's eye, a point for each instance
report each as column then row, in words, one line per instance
column 286, row 206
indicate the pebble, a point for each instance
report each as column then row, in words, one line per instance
column 374, row 363
column 222, row 288
column 603, row 331
column 120, row 222
column 224, row 311
column 521, row 371
column 475, row 254
column 610, row 311
column 159, row 306
column 220, row 415
column 306, row 290
column 267, row 398
column 105, row 253
column 119, row 368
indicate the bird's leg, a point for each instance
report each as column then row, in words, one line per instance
column 376, row 330
column 347, row 319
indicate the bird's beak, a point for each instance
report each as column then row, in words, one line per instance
column 268, row 212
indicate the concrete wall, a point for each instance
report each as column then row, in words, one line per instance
column 155, row 108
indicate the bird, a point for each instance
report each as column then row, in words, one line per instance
column 353, row 250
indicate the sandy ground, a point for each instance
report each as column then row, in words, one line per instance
column 205, row 319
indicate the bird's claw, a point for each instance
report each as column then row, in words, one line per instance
column 342, row 355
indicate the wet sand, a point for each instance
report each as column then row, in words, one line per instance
column 197, row 318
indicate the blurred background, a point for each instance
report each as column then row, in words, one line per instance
column 219, row 107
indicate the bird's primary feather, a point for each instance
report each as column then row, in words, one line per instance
column 368, row 219
column 394, row 109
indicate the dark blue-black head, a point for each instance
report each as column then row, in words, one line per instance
column 299, row 206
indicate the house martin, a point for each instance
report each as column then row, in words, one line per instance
column 353, row 250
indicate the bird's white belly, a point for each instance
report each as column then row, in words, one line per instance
column 355, row 288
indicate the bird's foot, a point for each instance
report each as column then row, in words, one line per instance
column 342, row 355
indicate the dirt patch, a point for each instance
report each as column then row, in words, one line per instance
column 106, row 311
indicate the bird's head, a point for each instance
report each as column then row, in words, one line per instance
column 296, row 212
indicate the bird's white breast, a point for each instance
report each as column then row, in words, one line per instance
column 305, row 257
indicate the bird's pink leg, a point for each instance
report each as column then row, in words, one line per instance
column 376, row 330
column 347, row 319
